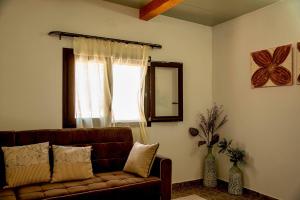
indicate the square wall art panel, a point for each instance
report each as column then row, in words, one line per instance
column 272, row 67
column 298, row 63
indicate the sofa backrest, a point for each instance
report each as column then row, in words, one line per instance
column 110, row 146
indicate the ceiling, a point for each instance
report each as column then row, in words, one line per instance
column 207, row 12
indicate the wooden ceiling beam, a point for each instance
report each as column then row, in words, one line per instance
column 157, row 7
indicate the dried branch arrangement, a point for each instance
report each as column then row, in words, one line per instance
column 209, row 124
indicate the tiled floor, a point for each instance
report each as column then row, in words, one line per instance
column 219, row 193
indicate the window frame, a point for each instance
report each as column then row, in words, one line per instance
column 68, row 92
column 179, row 67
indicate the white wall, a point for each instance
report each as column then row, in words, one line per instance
column 31, row 66
column 263, row 121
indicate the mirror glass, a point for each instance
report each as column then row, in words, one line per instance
column 166, row 91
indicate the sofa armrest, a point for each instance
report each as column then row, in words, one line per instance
column 162, row 167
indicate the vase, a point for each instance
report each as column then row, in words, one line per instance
column 235, row 185
column 210, row 169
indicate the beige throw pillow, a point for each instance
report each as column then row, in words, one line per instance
column 26, row 164
column 71, row 163
column 141, row 158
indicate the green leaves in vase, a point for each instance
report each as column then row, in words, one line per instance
column 235, row 155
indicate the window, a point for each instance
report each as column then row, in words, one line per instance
column 126, row 88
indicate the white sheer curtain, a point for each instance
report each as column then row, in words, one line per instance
column 95, row 61
column 92, row 83
column 135, row 57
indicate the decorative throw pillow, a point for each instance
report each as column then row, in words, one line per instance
column 71, row 163
column 26, row 164
column 141, row 158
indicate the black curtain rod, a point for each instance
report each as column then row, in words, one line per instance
column 67, row 34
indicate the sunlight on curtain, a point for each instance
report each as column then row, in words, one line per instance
column 89, row 87
column 133, row 61
column 110, row 83
column 92, row 91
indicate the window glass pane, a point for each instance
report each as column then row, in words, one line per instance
column 126, row 92
column 89, row 86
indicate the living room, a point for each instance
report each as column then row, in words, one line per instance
column 216, row 69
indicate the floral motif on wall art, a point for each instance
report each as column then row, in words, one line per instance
column 298, row 63
column 272, row 67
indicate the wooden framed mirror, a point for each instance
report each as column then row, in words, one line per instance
column 166, row 91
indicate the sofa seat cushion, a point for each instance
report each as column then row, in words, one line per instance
column 101, row 181
column 7, row 194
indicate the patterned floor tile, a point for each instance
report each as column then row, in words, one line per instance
column 218, row 193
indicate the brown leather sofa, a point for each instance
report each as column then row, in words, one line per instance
column 111, row 147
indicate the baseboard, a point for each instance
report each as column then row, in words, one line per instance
column 221, row 183
column 185, row 184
